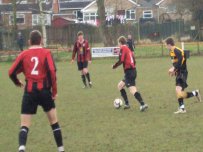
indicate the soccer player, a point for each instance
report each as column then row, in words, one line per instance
column 126, row 58
column 179, row 69
column 82, row 49
column 39, row 69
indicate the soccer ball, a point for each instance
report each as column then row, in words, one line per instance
column 117, row 103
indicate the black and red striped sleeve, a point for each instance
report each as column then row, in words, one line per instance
column 52, row 71
column 16, row 68
column 74, row 51
column 88, row 52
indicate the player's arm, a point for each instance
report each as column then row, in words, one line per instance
column 15, row 69
column 89, row 56
column 178, row 64
column 120, row 61
column 74, row 52
column 52, row 71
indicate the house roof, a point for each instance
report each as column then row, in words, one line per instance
column 26, row 8
column 73, row 5
column 150, row 3
column 90, row 4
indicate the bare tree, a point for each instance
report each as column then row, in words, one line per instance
column 194, row 6
column 42, row 22
column 103, row 28
column 15, row 4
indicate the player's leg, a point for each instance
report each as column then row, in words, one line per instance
column 80, row 68
column 52, row 117
column 179, row 93
column 130, row 77
column 195, row 93
column 183, row 82
column 121, row 86
column 48, row 106
column 86, row 72
column 28, row 108
column 186, row 95
column 138, row 97
column 25, row 124
column 83, row 79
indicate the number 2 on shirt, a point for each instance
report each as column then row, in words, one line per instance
column 36, row 61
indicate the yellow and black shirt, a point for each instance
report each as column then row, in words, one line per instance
column 178, row 59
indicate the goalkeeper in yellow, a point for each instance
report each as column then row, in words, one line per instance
column 179, row 70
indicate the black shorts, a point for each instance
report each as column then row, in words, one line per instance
column 32, row 100
column 130, row 77
column 181, row 79
column 82, row 65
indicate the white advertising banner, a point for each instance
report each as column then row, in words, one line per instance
column 105, row 52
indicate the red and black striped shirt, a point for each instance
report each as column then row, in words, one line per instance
column 126, row 57
column 82, row 50
column 38, row 67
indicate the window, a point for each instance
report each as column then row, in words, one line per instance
column 78, row 15
column 20, row 19
column 130, row 15
column 23, row 2
column 147, row 14
column 37, row 19
column 90, row 17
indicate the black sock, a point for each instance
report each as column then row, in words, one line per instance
column 88, row 77
column 139, row 98
column 57, row 134
column 124, row 95
column 181, row 102
column 23, row 136
column 190, row 94
column 84, row 79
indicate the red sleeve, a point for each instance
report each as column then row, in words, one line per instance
column 74, row 51
column 15, row 69
column 89, row 56
column 52, row 70
column 120, row 61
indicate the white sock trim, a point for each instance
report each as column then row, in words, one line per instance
column 22, row 147
column 24, row 130
column 194, row 93
column 182, row 107
column 57, row 129
column 60, row 149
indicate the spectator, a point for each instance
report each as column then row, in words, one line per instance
column 130, row 43
column 20, row 41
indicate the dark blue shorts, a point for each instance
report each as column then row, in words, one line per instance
column 36, row 98
column 130, row 77
column 82, row 65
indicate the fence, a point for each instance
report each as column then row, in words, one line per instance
column 141, row 51
column 159, row 31
column 60, row 40
column 66, row 36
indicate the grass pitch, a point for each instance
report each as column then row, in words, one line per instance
column 89, row 121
